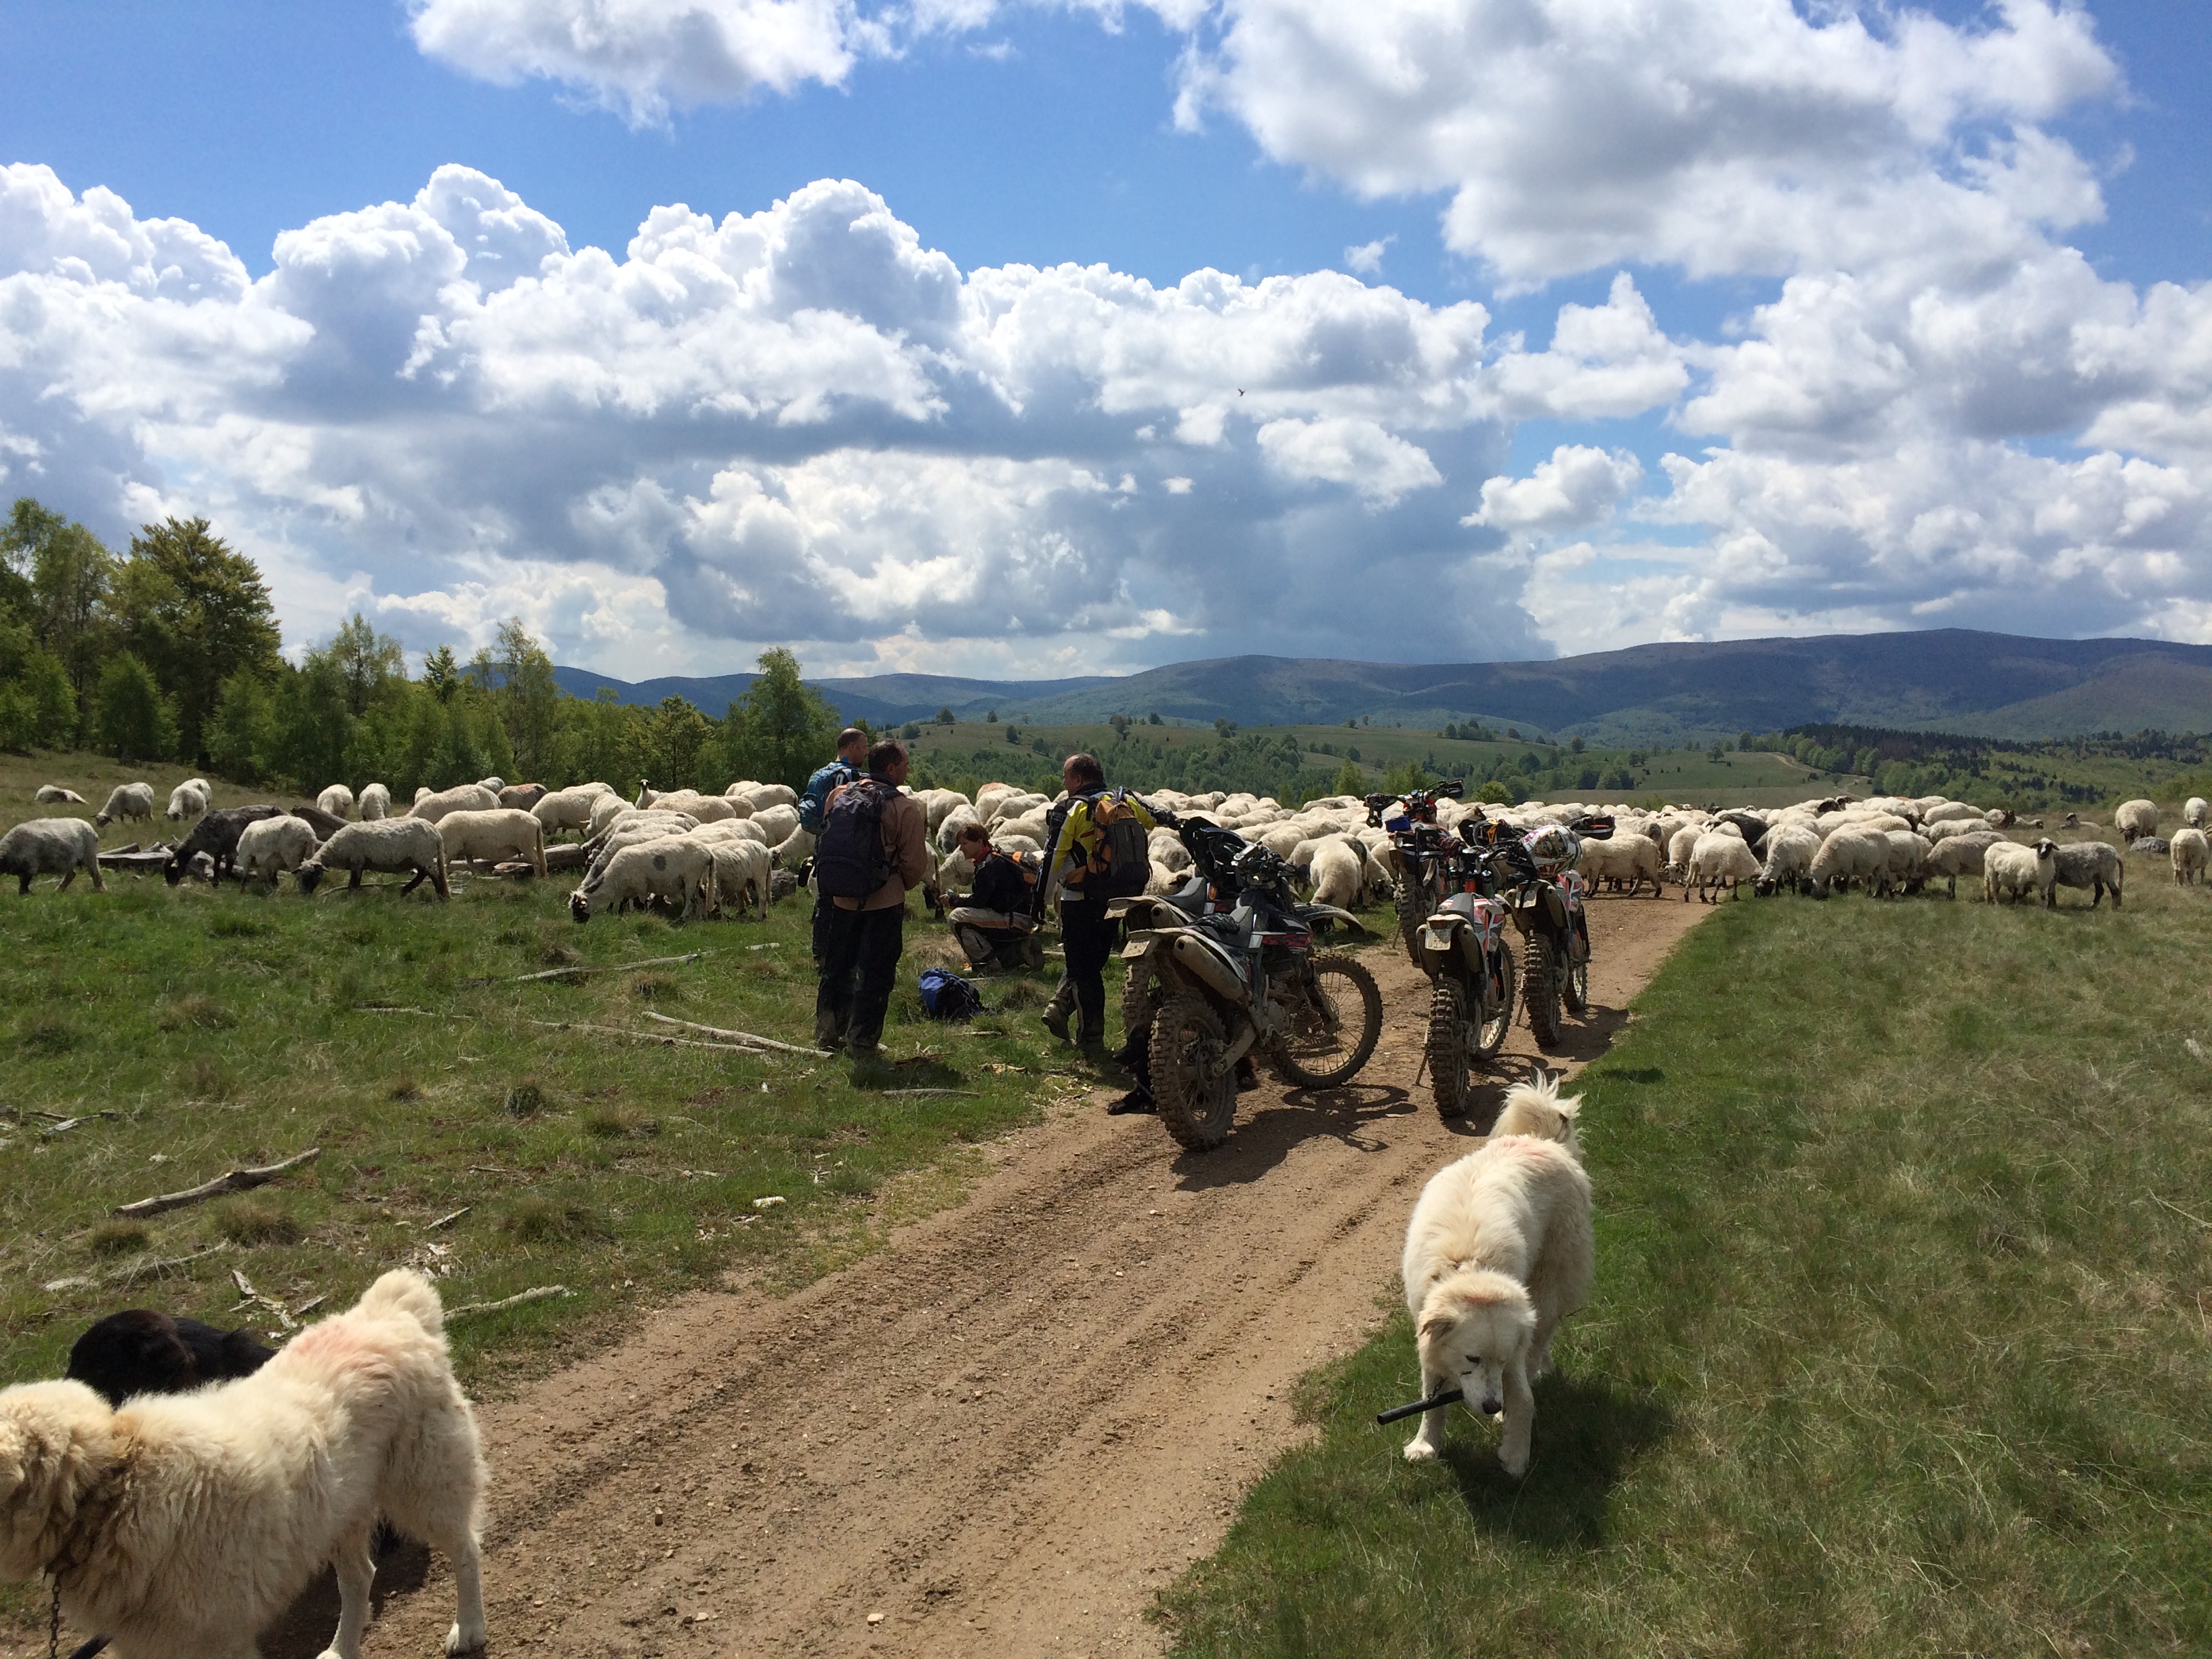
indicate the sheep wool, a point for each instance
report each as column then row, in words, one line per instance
column 188, row 801
column 50, row 847
column 126, row 801
column 670, row 869
column 2012, row 871
column 388, row 844
column 270, row 847
column 375, row 802
column 53, row 795
column 2189, row 851
column 499, row 834
column 464, row 797
column 337, row 800
column 2135, row 819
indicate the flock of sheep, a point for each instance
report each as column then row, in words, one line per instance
column 699, row 854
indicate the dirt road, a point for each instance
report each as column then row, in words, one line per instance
column 1003, row 1435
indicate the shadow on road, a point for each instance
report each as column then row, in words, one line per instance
column 304, row 1632
column 1276, row 1126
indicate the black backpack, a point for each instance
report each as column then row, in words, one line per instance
column 848, row 859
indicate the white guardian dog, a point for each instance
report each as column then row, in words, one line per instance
column 181, row 1526
column 1499, row 1253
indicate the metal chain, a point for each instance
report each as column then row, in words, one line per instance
column 54, row 1624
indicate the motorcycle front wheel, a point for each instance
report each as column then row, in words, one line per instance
column 1540, row 989
column 1492, row 1037
column 1576, row 988
column 1197, row 1109
column 1451, row 1078
column 1328, row 1043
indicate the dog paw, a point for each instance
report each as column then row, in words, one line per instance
column 1420, row 1451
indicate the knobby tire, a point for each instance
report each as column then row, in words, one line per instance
column 1197, row 1111
column 1325, row 968
column 1540, row 990
column 1450, row 1058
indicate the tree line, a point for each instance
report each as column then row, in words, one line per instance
column 170, row 652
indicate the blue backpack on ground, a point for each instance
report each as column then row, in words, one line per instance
column 945, row 995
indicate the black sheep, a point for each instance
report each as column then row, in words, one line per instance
column 216, row 834
column 143, row 1351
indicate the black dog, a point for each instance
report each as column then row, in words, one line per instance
column 143, row 1351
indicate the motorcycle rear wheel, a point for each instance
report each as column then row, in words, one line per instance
column 1413, row 910
column 1491, row 1035
column 1540, row 989
column 1451, row 1077
column 1576, row 988
column 1322, row 1049
column 1198, row 1110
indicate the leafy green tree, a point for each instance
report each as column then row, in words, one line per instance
column 132, row 721
column 1350, row 781
column 780, row 730
column 681, row 739
column 945, row 717
column 366, row 662
column 441, row 672
column 195, row 613
column 241, row 731
column 529, row 697
column 69, row 574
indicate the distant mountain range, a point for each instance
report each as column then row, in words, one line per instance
column 1946, row 679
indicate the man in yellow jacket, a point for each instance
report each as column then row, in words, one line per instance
column 1096, row 851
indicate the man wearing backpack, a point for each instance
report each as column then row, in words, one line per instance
column 1095, row 842
column 852, row 755
column 873, row 847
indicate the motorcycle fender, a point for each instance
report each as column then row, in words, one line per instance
column 1138, row 945
column 1555, row 908
column 1313, row 912
column 1437, row 936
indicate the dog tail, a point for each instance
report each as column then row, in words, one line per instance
column 400, row 1291
column 1533, row 1108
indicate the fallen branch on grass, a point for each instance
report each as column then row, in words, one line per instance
column 253, row 1297
column 616, row 967
column 2178, row 1211
column 426, row 1013
column 515, row 1300
column 236, row 1181
column 129, row 1271
column 639, row 1036
column 447, row 1220
column 736, row 1036
column 966, row 1094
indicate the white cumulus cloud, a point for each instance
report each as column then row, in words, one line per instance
column 1576, row 489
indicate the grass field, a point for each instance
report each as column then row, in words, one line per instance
column 186, row 1031
column 1902, row 1338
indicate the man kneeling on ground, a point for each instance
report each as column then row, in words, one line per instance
column 992, row 922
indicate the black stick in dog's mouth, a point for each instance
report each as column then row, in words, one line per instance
column 1435, row 1401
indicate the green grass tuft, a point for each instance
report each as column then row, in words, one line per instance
column 257, row 1220
column 537, row 1219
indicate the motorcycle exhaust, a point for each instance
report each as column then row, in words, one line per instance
column 1209, row 968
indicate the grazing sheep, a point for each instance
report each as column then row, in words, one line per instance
column 2194, row 811
column 1951, row 811
column 795, row 848
column 1959, row 855
column 765, row 795
column 375, row 802
column 53, row 795
column 1633, row 860
column 1791, row 850
column 1339, row 876
column 949, row 826
column 1719, row 856
column 1679, row 846
column 671, row 869
column 389, row 844
column 2092, row 865
column 2135, row 819
column 126, row 801
column 2012, row 871
column 270, row 847
column 504, row 832
column 634, row 829
column 522, row 797
column 337, row 800
column 1908, row 859
column 1850, row 855
column 742, row 876
column 708, row 809
column 188, row 801
column 569, row 808
column 50, row 847
column 216, row 834
column 776, row 823
column 2189, row 852
column 463, row 797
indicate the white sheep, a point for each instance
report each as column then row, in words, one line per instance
column 503, row 832
column 1718, row 857
column 742, row 876
column 1791, row 850
column 1679, row 846
column 268, row 848
column 633, row 829
column 1959, row 855
column 1908, row 858
column 708, row 809
column 462, row 798
column 1632, row 859
column 126, row 801
column 388, row 844
column 570, row 808
column 2194, row 811
column 2189, row 851
column 2012, row 871
column 50, row 847
column 947, row 828
column 375, row 802
column 2135, row 819
column 337, row 800
column 671, row 869
column 53, row 795
column 765, row 795
column 188, row 801
column 1950, row 811
column 1339, row 876
column 776, row 822
column 1944, row 828
column 1849, row 855
column 795, row 848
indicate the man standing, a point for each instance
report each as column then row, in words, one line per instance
column 873, row 847
column 1095, row 852
column 852, row 751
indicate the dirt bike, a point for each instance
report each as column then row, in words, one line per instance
column 1425, row 855
column 1473, row 980
column 1235, row 972
column 1536, row 877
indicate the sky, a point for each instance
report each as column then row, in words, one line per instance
column 1011, row 339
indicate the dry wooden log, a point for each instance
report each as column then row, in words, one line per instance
column 737, row 1036
column 614, row 968
column 236, row 1181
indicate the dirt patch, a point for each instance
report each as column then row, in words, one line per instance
column 1006, row 1432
